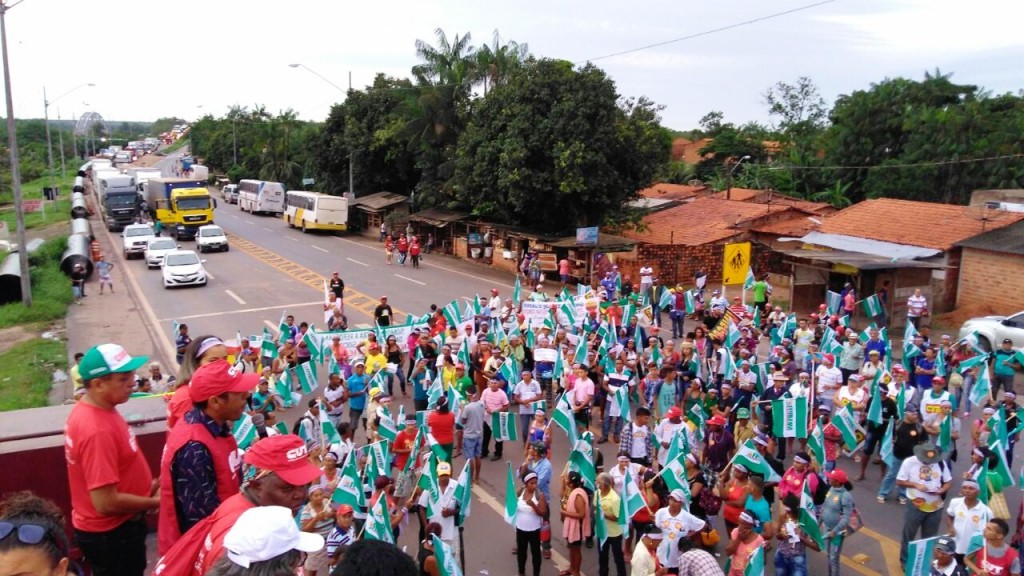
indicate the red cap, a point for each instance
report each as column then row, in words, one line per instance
column 345, row 510
column 673, row 412
column 838, row 475
column 494, row 290
column 716, row 420
column 218, row 377
column 830, row 358
column 939, row 379
column 822, row 307
column 287, row 456
column 898, row 369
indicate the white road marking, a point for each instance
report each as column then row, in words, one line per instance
column 363, row 326
column 210, row 276
column 268, row 323
column 411, row 280
column 267, row 229
column 292, row 239
column 247, row 221
column 319, row 248
column 235, row 217
column 235, row 296
column 357, row 262
column 246, row 311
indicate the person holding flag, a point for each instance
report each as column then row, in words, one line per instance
column 607, row 503
column 744, row 543
column 996, row 556
column 495, row 400
column 835, row 517
column 441, row 508
column 886, row 413
column 442, row 426
column 926, row 479
column 791, row 554
column 676, row 524
column 531, row 510
column 967, row 516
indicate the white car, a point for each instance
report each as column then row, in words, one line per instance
column 183, row 268
column 211, row 237
column 157, row 249
column 992, row 330
column 136, row 237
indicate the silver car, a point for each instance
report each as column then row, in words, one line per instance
column 992, row 330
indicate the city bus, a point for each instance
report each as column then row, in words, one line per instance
column 261, row 197
column 315, row 211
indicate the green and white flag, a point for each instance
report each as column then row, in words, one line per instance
column 752, row 460
column 565, row 420
column 750, row 280
column 621, row 399
column 971, row 362
column 582, row 460
column 875, row 407
column 244, row 431
column 1002, row 466
column 510, row 370
column 631, row 502
column 435, row 391
column 447, row 562
column 428, row 482
column 283, row 388
column 350, row 487
column 517, row 293
column 755, row 566
column 307, row 377
column 919, row 556
column 312, row 340
column 386, row 428
column 600, row 526
column 330, row 433
column 511, row 498
column 504, row 426
column 789, row 418
column 284, row 331
column 378, row 523
column 885, row 450
column 816, row 443
column 977, row 543
column 378, row 463
column 665, row 300
column 464, row 494
column 872, row 306
column 847, row 424
column 808, row 523
column 698, row 417
column 451, row 313
column 268, row 348
column 834, row 302
column 435, row 446
column 414, row 456
column 981, row 392
column 674, row 475
column 569, row 309
column 690, row 302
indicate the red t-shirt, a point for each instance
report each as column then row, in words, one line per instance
column 101, row 450
column 179, row 404
column 404, row 440
column 442, row 426
column 199, row 549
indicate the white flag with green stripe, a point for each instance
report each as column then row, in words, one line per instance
column 378, row 523
column 789, row 418
column 504, row 426
column 847, row 424
column 307, row 377
column 244, row 431
column 511, row 499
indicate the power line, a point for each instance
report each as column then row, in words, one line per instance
column 712, row 31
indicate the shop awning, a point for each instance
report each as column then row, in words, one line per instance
column 437, row 217
column 859, row 260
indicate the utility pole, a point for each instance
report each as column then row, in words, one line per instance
column 12, row 143
column 351, row 162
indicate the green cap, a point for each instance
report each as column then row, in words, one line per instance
column 742, row 413
column 108, row 359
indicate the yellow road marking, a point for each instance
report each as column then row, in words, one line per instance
column 890, row 549
column 315, row 280
column 493, row 504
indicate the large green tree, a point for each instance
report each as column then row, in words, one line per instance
column 553, row 148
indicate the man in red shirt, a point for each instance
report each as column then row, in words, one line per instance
column 200, row 467
column 405, row 444
column 277, row 472
column 111, row 485
column 441, row 423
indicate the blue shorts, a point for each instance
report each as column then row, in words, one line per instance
column 472, row 447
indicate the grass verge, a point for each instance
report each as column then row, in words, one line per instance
column 56, row 211
column 51, row 289
column 174, row 146
column 26, row 372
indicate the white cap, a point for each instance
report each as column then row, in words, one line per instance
column 266, row 532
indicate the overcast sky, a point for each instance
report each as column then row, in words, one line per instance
column 153, row 59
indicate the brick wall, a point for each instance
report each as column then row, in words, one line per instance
column 674, row 263
column 991, row 278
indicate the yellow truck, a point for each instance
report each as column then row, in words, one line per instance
column 181, row 205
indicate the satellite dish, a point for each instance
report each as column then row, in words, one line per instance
column 984, row 214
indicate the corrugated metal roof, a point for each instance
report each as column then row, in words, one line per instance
column 858, row 260
column 865, row 246
column 1008, row 240
column 437, row 217
column 378, row 201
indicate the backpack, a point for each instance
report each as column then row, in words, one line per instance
column 711, row 503
column 298, row 425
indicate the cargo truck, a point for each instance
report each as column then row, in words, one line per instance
column 119, row 200
column 181, row 205
column 143, row 175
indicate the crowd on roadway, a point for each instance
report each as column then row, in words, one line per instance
column 697, row 426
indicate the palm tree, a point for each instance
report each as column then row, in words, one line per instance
column 836, row 195
column 494, row 63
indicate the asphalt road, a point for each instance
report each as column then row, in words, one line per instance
column 271, row 268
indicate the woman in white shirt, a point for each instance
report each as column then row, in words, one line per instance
column 853, row 393
column 530, row 510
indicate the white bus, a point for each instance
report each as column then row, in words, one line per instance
column 316, row 211
column 261, row 196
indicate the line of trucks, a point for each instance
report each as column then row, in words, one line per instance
column 181, row 205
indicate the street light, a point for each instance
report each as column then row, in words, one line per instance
column 46, row 120
column 351, row 163
column 12, row 143
column 728, row 189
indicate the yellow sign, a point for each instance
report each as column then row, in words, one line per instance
column 736, row 263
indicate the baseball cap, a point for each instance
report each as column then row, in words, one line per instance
column 345, row 510
column 677, row 495
column 716, row 420
column 831, row 359
column 285, row 455
column 105, row 359
column 673, row 412
column 266, row 532
column 742, row 413
column 838, row 475
column 217, row 378
column 444, row 469
column 946, row 544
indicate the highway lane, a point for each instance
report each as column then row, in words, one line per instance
column 291, row 275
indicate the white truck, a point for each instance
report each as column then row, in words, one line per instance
column 142, row 175
column 199, row 172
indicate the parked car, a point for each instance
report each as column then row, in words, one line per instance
column 211, row 237
column 183, row 268
column 157, row 249
column 992, row 330
column 136, row 237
